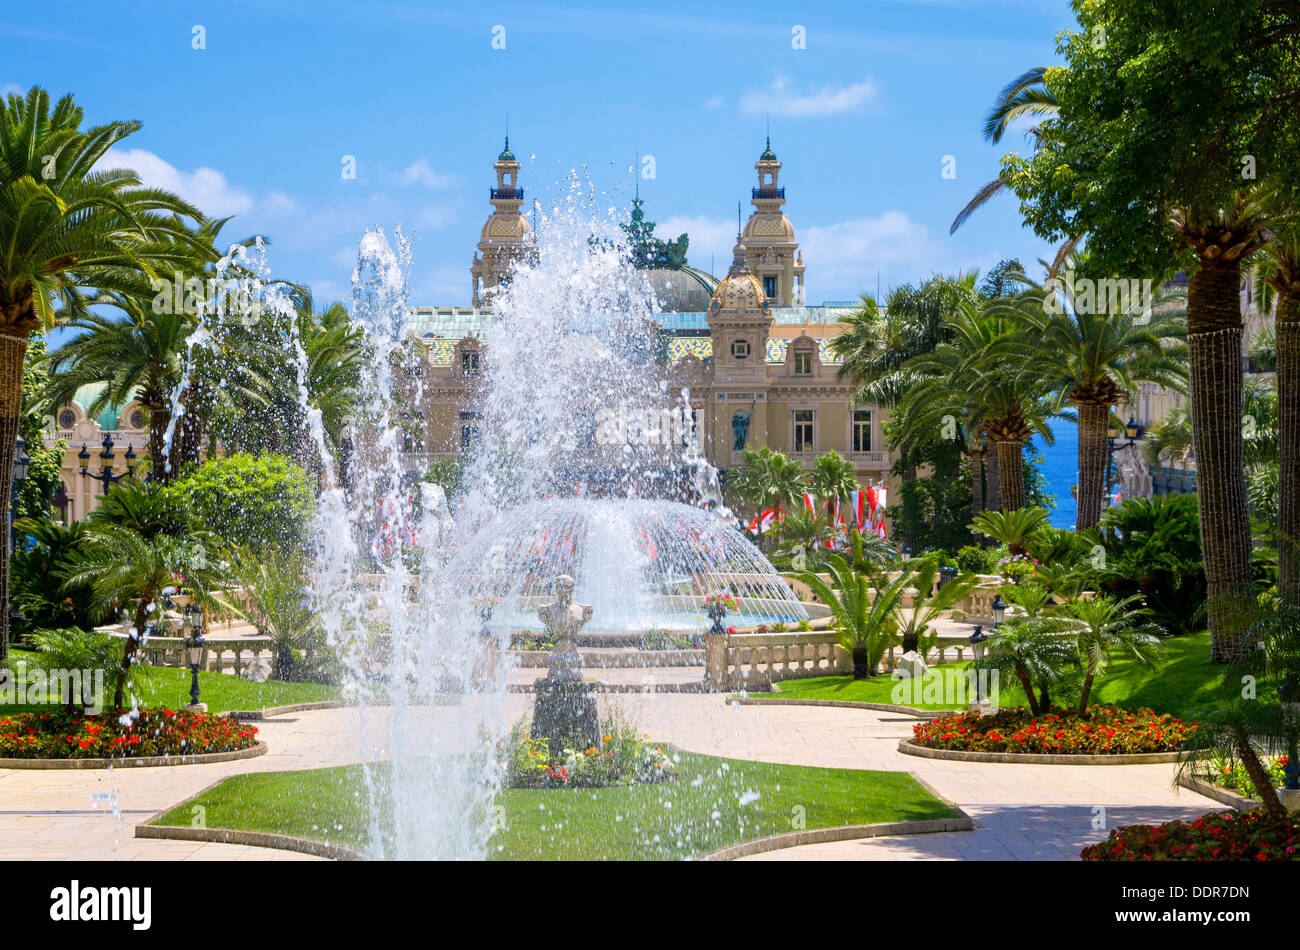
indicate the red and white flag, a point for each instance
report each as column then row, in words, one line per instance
column 763, row 522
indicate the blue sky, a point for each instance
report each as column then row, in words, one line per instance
column 257, row 123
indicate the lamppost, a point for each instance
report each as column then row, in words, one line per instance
column 999, row 610
column 194, row 649
column 21, row 464
column 105, row 475
column 1131, row 432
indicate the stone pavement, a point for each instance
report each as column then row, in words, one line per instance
column 1021, row 811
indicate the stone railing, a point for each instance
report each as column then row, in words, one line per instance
column 749, row 660
column 219, row 656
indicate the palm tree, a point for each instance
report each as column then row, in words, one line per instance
column 968, row 378
column 63, row 226
column 1220, row 238
column 129, row 571
column 1012, row 528
column 276, row 602
column 768, row 478
column 832, row 478
column 134, row 356
column 1282, row 273
column 1026, row 96
column 1037, row 651
column 1095, row 356
column 865, row 610
column 1106, row 626
column 914, row 622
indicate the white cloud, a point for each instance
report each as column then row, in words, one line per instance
column 781, row 99
column 204, row 187
column 420, row 172
column 714, row 102
column 844, row 258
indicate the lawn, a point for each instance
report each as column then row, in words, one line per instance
column 1185, row 682
column 713, row 803
column 168, row 686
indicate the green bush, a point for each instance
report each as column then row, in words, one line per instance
column 977, row 560
column 263, row 503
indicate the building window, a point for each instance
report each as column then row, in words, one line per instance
column 803, row 363
column 861, row 430
column 740, row 349
column 769, row 286
column 469, row 364
column 803, row 430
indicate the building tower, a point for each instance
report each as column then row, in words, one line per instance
column 506, row 236
column 740, row 320
column 772, row 253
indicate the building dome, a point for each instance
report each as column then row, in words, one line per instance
column 740, row 290
column 681, row 290
column 769, row 226
column 768, row 155
column 506, row 155
column 504, row 227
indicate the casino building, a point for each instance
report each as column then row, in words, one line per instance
column 752, row 352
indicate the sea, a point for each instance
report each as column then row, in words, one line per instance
column 1060, row 467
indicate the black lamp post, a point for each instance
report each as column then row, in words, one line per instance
column 194, row 648
column 22, row 462
column 105, row 475
column 999, row 610
column 1132, row 431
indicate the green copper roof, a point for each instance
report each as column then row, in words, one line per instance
column 768, row 155
column 506, row 155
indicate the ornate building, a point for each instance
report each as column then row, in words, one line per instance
column 754, row 357
column 506, row 236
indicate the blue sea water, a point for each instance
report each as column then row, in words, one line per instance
column 1060, row 468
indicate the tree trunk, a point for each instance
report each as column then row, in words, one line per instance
column 1084, row 694
column 993, row 500
column 1011, row 475
column 1259, row 776
column 860, row 669
column 158, row 420
column 13, row 349
column 1288, row 412
column 131, row 645
column 1028, row 686
column 1214, row 355
column 1093, row 421
column 976, row 482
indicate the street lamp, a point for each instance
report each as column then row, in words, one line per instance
column 194, row 649
column 105, row 474
column 999, row 610
column 22, row 462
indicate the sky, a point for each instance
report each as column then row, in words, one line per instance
column 252, row 109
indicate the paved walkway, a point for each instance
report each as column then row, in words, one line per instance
column 1021, row 811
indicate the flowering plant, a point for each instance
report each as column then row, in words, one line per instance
column 1217, row 836
column 623, row 757
column 1104, row 730
column 1233, row 775
column 721, row 599
column 59, row 735
column 1017, row 568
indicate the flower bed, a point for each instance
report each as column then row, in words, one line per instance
column 623, row 758
column 1233, row 775
column 1218, row 836
column 147, row 732
column 1105, row 730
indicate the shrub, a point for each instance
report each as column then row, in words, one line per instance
column 60, row 735
column 1233, row 775
column 1105, row 730
column 262, row 502
column 976, row 560
column 1152, row 547
column 1218, row 836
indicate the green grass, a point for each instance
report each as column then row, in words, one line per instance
column 168, row 686
column 699, row 812
column 1183, row 684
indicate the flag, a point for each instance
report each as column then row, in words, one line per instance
column 763, row 522
column 808, row 503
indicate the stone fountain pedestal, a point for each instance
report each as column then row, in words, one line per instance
column 565, row 710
